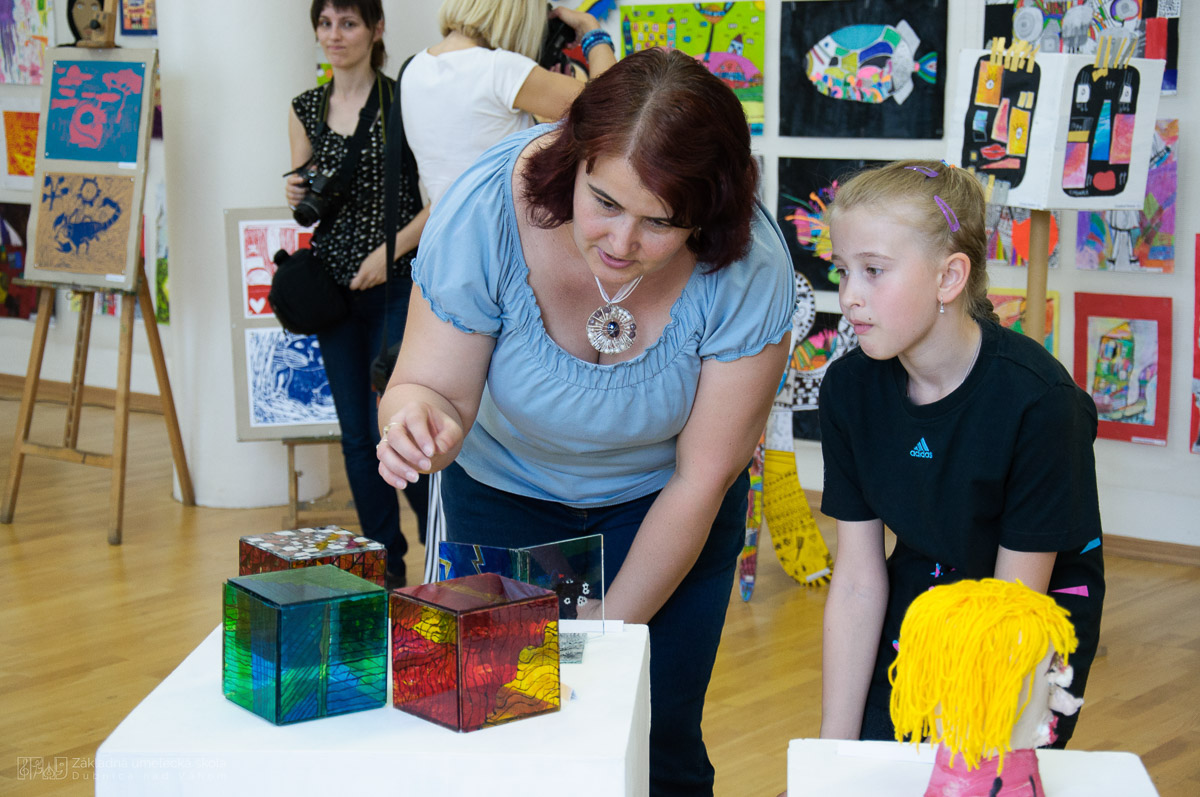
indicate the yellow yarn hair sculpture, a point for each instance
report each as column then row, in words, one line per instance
column 966, row 651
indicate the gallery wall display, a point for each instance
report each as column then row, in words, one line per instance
column 1056, row 131
column 26, row 30
column 1008, row 235
column 1137, row 240
column 728, row 38
column 90, row 175
column 16, row 301
column 1123, row 360
column 1010, row 306
column 862, row 68
column 139, row 17
column 806, row 187
column 1076, row 26
column 281, row 390
column 19, row 134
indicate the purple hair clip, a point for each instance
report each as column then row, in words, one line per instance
column 925, row 170
column 948, row 212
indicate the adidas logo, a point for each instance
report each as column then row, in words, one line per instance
column 921, row 450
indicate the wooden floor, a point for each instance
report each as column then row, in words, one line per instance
column 89, row 629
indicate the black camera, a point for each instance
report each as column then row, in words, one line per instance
column 324, row 193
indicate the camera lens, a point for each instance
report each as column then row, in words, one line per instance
column 308, row 211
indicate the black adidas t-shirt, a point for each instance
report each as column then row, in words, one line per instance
column 1005, row 459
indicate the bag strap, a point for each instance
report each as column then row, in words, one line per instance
column 366, row 118
column 397, row 158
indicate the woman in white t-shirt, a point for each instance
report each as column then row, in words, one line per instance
column 480, row 82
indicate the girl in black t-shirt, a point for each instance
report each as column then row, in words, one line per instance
column 967, row 440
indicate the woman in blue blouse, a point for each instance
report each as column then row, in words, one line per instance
column 599, row 332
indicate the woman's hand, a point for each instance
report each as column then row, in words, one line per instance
column 580, row 21
column 295, row 189
column 372, row 272
column 414, row 436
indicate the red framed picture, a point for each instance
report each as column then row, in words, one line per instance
column 1123, row 360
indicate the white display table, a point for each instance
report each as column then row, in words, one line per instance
column 882, row 769
column 185, row 738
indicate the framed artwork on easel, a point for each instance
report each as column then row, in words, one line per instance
column 90, row 175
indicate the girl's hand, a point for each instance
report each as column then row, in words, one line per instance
column 579, row 21
column 372, row 272
column 415, row 434
column 294, row 189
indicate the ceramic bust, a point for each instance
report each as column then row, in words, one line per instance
column 981, row 667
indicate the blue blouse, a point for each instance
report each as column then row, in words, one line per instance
column 552, row 426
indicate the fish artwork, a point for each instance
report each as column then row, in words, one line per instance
column 869, row 63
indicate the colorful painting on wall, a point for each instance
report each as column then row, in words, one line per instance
column 18, row 141
column 1056, row 131
column 139, row 18
column 862, row 68
column 728, row 38
column 26, row 30
column 1123, row 360
column 1195, row 437
column 1075, row 26
column 83, row 223
column 1010, row 306
column 806, row 187
column 1137, row 240
column 286, row 379
column 95, row 110
column 1008, row 236
column 16, row 301
column 259, row 240
column 829, row 338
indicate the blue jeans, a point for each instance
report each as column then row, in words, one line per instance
column 685, row 632
column 348, row 350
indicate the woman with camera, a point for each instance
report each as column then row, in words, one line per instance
column 615, row 304
column 323, row 125
column 482, row 82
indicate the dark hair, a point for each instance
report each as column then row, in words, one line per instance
column 371, row 12
column 681, row 129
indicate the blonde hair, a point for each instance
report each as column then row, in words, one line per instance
column 966, row 649
column 515, row 25
column 916, row 186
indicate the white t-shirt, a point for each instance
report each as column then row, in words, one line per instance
column 458, row 104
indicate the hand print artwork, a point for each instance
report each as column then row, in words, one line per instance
column 83, row 223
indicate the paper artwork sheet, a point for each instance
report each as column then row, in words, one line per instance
column 727, row 38
column 83, row 223
column 16, row 301
column 862, row 68
column 18, row 141
column 95, row 111
column 1195, row 413
column 1123, row 359
column 1055, row 131
column 1010, row 306
column 1077, row 26
column 1137, row 240
column 26, row 30
column 1008, row 235
column 139, row 18
column 286, row 379
column 806, row 187
column 829, row 338
column 259, row 241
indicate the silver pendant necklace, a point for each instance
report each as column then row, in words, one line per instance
column 611, row 329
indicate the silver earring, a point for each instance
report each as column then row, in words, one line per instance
column 941, row 307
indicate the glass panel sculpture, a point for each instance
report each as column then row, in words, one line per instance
column 328, row 545
column 572, row 569
column 306, row 643
column 475, row 651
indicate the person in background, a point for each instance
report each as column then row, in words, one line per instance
column 616, row 306
column 481, row 82
column 349, row 241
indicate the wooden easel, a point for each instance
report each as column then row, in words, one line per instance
column 1035, row 277
column 315, row 513
column 69, row 451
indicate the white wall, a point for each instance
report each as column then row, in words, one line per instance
column 1147, row 492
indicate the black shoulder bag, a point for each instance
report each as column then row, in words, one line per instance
column 397, row 157
column 304, row 296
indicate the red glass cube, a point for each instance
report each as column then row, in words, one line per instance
column 475, row 651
